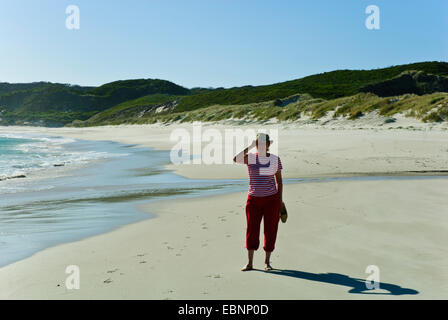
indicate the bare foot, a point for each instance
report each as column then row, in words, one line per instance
column 248, row 267
column 268, row 267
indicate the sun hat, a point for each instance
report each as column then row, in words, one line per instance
column 264, row 137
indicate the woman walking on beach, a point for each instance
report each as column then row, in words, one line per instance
column 264, row 197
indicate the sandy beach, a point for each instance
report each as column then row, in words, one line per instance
column 306, row 151
column 194, row 248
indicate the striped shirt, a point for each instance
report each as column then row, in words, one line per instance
column 262, row 172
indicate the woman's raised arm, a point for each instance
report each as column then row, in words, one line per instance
column 242, row 156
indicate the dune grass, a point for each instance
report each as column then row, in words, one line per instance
column 427, row 108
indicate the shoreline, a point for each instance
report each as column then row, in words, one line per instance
column 156, row 259
column 60, row 205
column 306, row 152
column 36, row 203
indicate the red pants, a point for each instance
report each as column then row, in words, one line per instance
column 257, row 208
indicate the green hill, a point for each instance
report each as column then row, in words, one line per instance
column 124, row 101
column 128, row 110
column 57, row 104
column 427, row 108
column 120, row 91
column 325, row 88
column 328, row 85
column 417, row 82
column 11, row 87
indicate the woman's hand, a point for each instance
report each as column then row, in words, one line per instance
column 252, row 145
column 242, row 156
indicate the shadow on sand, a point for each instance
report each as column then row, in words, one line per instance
column 356, row 285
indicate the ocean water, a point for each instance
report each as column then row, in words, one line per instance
column 29, row 155
column 74, row 189
column 19, row 155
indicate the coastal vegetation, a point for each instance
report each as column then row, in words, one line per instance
column 417, row 90
column 427, row 108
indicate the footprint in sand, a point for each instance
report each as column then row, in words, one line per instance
column 112, row 271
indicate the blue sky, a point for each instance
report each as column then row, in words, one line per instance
column 213, row 43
